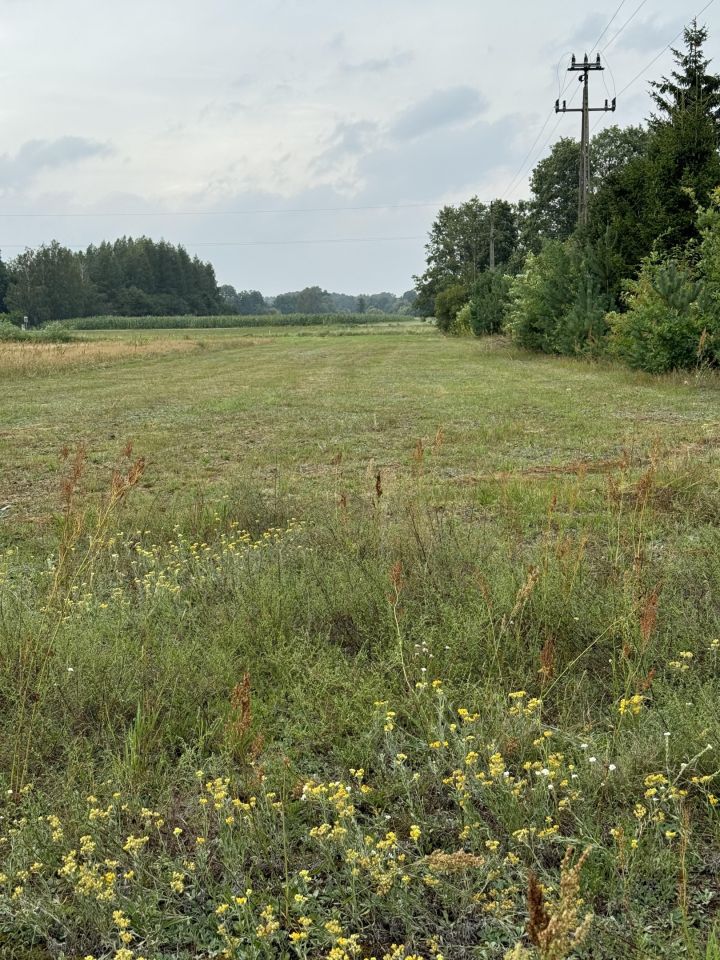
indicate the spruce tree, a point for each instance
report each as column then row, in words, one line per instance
column 691, row 87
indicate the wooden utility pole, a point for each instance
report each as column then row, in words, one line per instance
column 584, row 69
column 492, row 235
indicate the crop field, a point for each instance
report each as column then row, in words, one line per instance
column 350, row 642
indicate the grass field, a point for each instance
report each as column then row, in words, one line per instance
column 355, row 642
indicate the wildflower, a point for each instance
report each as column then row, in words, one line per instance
column 133, row 843
column 415, row 832
column 632, row 705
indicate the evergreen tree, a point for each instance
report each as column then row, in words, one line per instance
column 691, row 87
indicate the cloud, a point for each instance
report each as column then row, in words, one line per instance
column 35, row 156
column 457, row 160
column 349, row 139
column 441, row 109
column 587, row 33
column 645, row 37
column 378, row 64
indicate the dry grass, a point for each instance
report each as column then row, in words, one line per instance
column 31, row 359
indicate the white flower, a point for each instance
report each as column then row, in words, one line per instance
column 583, row 746
column 592, row 759
column 611, row 767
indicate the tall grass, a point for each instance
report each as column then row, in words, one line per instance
column 374, row 729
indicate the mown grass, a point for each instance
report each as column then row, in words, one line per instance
column 378, row 628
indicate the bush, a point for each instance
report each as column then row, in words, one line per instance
column 560, row 302
column 51, row 333
column 490, row 302
column 447, row 304
column 541, row 296
column 461, row 325
column 663, row 328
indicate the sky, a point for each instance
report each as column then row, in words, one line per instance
column 297, row 142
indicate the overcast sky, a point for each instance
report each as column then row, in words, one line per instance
column 123, row 113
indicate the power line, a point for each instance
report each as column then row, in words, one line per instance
column 222, row 213
column 664, row 49
column 523, row 166
column 627, row 22
column 250, row 243
column 655, row 59
column 609, row 24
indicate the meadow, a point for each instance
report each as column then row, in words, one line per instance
column 351, row 642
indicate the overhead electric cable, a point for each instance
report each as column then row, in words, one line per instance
column 627, row 22
column 654, row 60
column 220, row 213
column 250, row 243
column 609, row 24
column 523, row 166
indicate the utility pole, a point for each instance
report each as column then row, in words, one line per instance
column 492, row 235
column 584, row 69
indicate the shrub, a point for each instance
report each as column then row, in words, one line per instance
column 51, row 333
column 663, row 328
column 461, row 325
column 490, row 302
column 541, row 296
column 447, row 304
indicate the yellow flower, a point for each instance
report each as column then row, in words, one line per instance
column 133, row 843
column 415, row 832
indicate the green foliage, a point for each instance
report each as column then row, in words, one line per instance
column 490, row 302
column 50, row 333
column 130, row 276
column 458, row 248
column 219, row 321
column 691, row 87
column 246, row 302
column 663, row 327
column 447, row 304
column 560, row 301
column 461, row 326
column 541, row 297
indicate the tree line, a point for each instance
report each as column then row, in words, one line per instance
column 315, row 300
column 140, row 277
column 641, row 282
column 129, row 276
